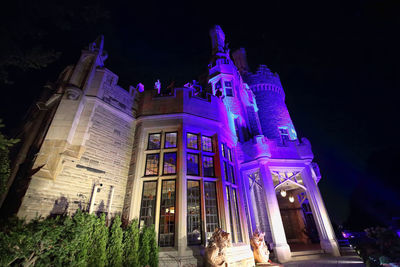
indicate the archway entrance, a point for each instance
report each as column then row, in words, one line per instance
column 297, row 218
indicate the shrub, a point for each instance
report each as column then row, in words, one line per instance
column 145, row 246
column 98, row 252
column 114, row 248
column 131, row 245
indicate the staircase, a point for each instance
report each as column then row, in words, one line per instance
column 308, row 255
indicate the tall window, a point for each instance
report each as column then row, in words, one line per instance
column 167, row 214
column 231, row 194
column 160, row 160
column 210, row 199
column 154, row 141
column 193, row 213
column 169, row 166
column 192, row 164
column 228, row 199
column 148, row 205
column 237, row 215
column 152, row 161
column 283, row 131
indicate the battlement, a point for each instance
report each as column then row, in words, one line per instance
column 265, row 80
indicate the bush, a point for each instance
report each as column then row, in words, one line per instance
column 131, row 245
column 83, row 240
column 114, row 248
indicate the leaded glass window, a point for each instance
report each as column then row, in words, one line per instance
column 167, row 214
column 169, row 165
column 228, row 199
column 171, row 140
column 192, row 141
column 192, row 164
column 223, row 149
column 152, row 161
column 237, row 215
column 208, row 166
column 231, row 174
column 226, row 171
column 193, row 213
column 206, row 143
column 210, row 199
column 154, row 141
column 230, row 154
column 148, row 203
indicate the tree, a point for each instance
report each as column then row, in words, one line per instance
column 98, row 251
column 131, row 245
column 153, row 261
column 114, row 248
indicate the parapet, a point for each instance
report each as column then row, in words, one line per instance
column 265, row 80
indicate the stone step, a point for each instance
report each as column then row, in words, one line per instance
column 307, row 252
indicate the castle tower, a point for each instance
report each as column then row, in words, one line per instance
column 270, row 97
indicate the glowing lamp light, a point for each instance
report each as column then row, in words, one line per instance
column 283, row 193
column 291, row 199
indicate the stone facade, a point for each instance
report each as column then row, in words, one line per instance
column 187, row 159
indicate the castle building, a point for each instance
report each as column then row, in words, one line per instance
column 186, row 159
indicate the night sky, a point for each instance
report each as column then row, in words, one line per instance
column 338, row 62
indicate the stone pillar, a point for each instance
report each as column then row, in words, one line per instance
column 326, row 234
column 280, row 245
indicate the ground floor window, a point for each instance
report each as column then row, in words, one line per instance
column 167, row 214
column 193, row 213
column 211, row 207
column 148, row 203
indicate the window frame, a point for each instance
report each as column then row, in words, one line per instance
column 198, row 164
column 158, row 165
column 176, row 163
column 148, row 141
column 165, row 139
column 211, row 141
column 187, row 141
column 159, row 218
column 213, row 167
column 155, row 201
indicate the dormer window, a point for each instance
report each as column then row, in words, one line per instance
column 283, row 132
column 228, row 88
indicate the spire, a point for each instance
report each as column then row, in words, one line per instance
column 219, row 47
column 98, row 46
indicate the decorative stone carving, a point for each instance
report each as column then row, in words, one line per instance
column 157, row 86
column 260, row 249
column 215, row 251
column 73, row 93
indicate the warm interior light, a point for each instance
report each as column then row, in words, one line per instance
column 283, row 193
column 291, row 199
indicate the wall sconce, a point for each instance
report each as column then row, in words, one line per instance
column 283, row 193
column 291, row 199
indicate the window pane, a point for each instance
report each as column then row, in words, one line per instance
column 193, row 213
column 228, row 84
column 223, row 150
column 228, row 198
column 206, row 143
column 226, row 171
column 208, row 166
column 229, row 91
column 171, row 140
column 167, row 214
column 154, row 141
column 231, row 174
column 148, row 204
column 210, row 200
column 152, row 164
column 169, row 163
column 192, row 141
column 229, row 154
column 192, row 164
column 237, row 217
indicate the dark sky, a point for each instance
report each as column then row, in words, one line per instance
column 338, row 62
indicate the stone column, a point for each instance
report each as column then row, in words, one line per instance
column 326, row 234
column 280, row 245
